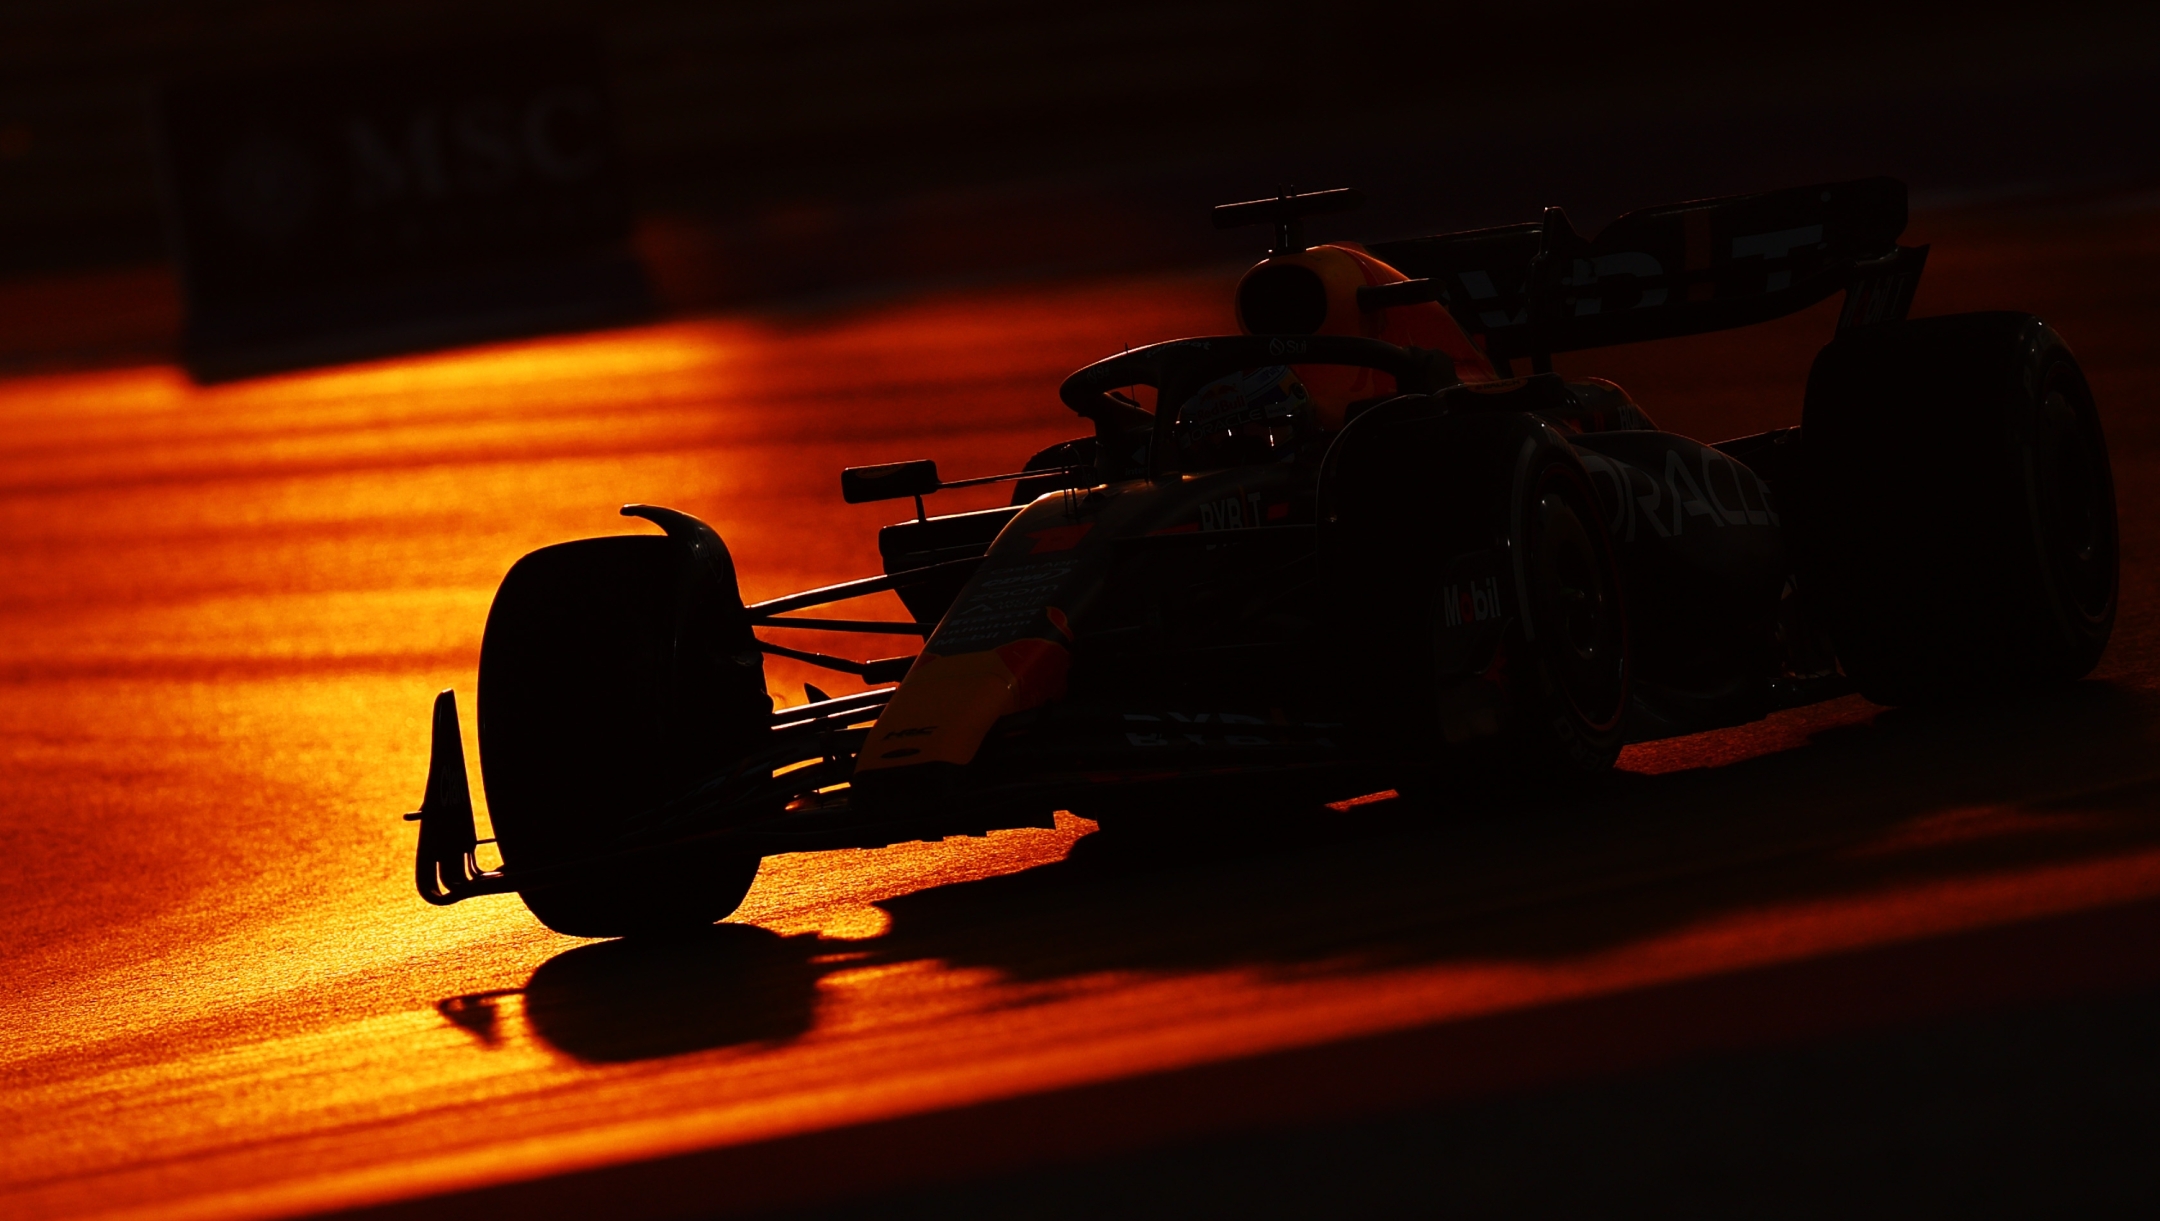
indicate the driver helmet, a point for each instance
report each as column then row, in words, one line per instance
column 1245, row 418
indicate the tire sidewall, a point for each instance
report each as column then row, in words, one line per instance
column 1400, row 509
column 1924, row 505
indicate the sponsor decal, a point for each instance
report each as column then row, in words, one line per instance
column 1693, row 502
column 1480, row 288
column 1001, row 606
column 1058, row 538
column 1777, row 245
column 1628, row 265
column 1231, row 512
column 1739, row 481
column 1610, row 481
column 1728, row 494
column 1474, row 601
column 392, row 200
column 1159, row 738
column 1240, row 511
column 918, row 731
column 1781, row 245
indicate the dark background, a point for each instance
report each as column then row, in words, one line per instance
column 816, row 150
column 830, row 145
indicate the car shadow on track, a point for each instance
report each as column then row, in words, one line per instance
column 1881, row 803
column 638, row 999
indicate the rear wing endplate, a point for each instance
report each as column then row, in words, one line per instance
column 1681, row 269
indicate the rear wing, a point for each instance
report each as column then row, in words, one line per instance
column 1681, row 269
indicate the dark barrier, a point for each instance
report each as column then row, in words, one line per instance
column 374, row 206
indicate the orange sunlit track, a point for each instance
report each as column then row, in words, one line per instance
column 223, row 612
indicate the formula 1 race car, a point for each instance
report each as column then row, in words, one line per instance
column 1351, row 549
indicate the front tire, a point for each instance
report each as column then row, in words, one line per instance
column 602, row 693
column 1958, row 511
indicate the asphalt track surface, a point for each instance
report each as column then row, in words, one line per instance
column 1894, row 957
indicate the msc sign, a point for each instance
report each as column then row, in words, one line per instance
column 373, row 205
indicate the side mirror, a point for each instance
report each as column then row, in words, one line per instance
column 893, row 480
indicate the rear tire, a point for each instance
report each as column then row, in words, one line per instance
column 602, row 693
column 1957, row 516
column 1572, row 597
column 1485, row 634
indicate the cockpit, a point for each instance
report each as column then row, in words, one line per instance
column 1247, row 418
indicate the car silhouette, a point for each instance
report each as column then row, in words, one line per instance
column 1352, row 549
